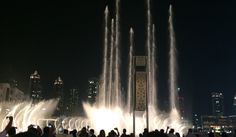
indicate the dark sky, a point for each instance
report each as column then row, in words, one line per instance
column 66, row 39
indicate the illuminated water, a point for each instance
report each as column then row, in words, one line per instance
column 26, row 113
column 111, row 109
column 114, row 111
column 172, row 63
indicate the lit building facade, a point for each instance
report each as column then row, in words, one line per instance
column 72, row 101
column 217, row 103
column 196, row 122
column 35, row 87
column 93, row 87
column 9, row 93
column 216, row 124
column 59, row 93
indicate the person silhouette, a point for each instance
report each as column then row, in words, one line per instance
column 7, row 128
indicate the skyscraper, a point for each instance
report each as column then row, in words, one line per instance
column 217, row 103
column 59, row 93
column 72, row 103
column 196, row 121
column 93, row 86
column 35, row 88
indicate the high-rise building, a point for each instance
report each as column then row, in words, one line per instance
column 217, row 103
column 196, row 122
column 59, row 93
column 72, row 101
column 93, row 87
column 58, row 88
column 35, row 88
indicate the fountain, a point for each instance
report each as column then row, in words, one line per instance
column 109, row 110
column 109, row 113
column 26, row 113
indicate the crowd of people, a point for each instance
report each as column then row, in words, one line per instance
column 50, row 131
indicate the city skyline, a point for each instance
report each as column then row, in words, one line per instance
column 63, row 39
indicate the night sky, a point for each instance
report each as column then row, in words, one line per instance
column 66, row 39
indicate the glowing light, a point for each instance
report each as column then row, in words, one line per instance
column 25, row 113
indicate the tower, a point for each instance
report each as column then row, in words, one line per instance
column 217, row 103
column 93, row 86
column 140, row 83
column 141, row 89
column 35, row 87
column 58, row 93
column 73, row 101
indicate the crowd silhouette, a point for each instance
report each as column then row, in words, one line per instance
column 50, row 131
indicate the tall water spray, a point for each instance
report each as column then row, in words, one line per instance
column 151, row 62
column 172, row 64
column 112, row 114
column 117, row 93
column 130, row 69
column 103, row 87
column 153, row 70
column 110, row 89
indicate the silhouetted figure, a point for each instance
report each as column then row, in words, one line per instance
column 12, row 131
column 34, row 129
column 45, row 132
column 167, row 128
column 102, row 133
column 73, row 133
column 117, row 134
column 156, row 132
column 112, row 133
column 162, row 133
column 177, row 134
column 152, row 134
column 26, row 134
column 83, row 132
column 124, row 133
column 145, row 132
column 7, row 128
column 171, row 133
column 91, row 132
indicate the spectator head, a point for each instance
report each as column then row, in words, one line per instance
column 124, row 130
column 91, row 131
column 35, row 129
column 171, row 131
